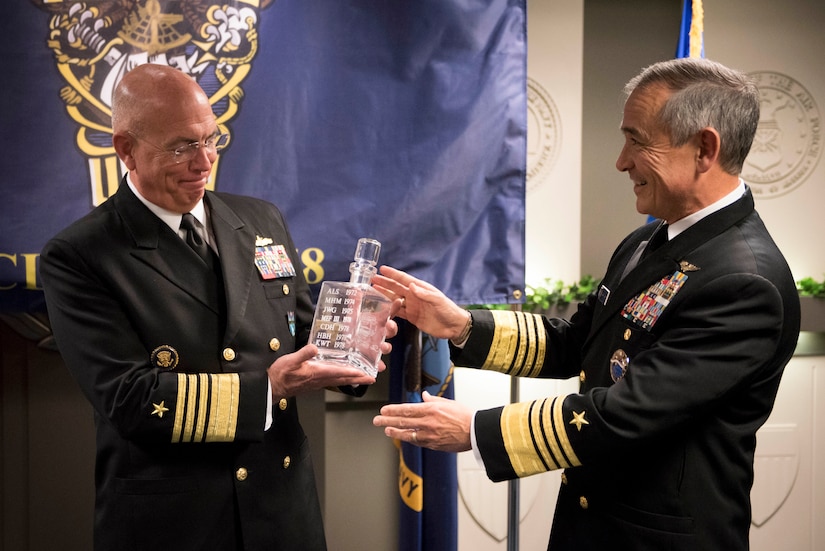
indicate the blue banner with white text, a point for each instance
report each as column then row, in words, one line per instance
column 403, row 121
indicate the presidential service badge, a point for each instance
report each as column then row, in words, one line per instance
column 165, row 357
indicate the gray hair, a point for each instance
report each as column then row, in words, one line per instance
column 705, row 94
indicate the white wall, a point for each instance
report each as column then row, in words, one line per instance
column 555, row 35
column 763, row 36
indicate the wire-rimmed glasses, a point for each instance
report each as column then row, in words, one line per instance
column 187, row 152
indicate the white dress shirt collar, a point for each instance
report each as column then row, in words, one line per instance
column 681, row 225
column 171, row 219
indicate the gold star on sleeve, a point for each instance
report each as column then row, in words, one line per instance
column 160, row 409
column 579, row 420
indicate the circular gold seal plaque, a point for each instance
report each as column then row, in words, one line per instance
column 543, row 133
column 788, row 139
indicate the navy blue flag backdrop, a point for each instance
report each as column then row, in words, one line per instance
column 691, row 31
column 403, row 121
column 427, row 479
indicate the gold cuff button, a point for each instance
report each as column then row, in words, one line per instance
column 228, row 354
column 564, row 478
column 582, row 376
column 583, row 502
column 241, row 474
column 274, row 345
column 282, row 403
column 287, row 462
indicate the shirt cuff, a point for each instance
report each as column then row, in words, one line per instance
column 268, row 422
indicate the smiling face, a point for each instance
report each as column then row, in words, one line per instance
column 162, row 109
column 664, row 177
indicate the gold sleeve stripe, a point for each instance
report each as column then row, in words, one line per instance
column 191, row 400
column 180, row 408
column 550, row 438
column 515, row 430
column 539, row 420
column 541, row 344
column 226, row 391
column 560, row 430
column 504, row 335
column 534, row 438
column 536, row 344
column 203, row 384
column 540, row 424
column 207, row 407
column 519, row 344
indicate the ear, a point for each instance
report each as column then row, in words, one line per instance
column 124, row 147
column 708, row 152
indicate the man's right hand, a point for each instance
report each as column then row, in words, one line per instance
column 423, row 305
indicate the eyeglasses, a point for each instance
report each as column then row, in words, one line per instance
column 186, row 153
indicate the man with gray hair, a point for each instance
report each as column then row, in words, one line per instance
column 679, row 352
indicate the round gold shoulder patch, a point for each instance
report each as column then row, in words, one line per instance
column 165, row 357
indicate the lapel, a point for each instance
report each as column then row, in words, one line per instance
column 665, row 260
column 236, row 246
column 157, row 246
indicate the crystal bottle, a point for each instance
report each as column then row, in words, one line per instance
column 350, row 317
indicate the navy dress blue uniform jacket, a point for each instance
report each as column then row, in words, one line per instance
column 176, row 374
column 679, row 365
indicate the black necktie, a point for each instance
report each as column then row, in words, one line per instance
column 658, row 239
column 195, row 241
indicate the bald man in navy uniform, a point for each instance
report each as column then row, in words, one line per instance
column 191, row 352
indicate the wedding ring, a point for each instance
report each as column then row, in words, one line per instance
column 414, row 436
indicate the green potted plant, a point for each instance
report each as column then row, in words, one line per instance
column 557, row 298
column 811, row 295
column 552, row 297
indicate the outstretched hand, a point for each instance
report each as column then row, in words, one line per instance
column 422, row 304
column 436, row 423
